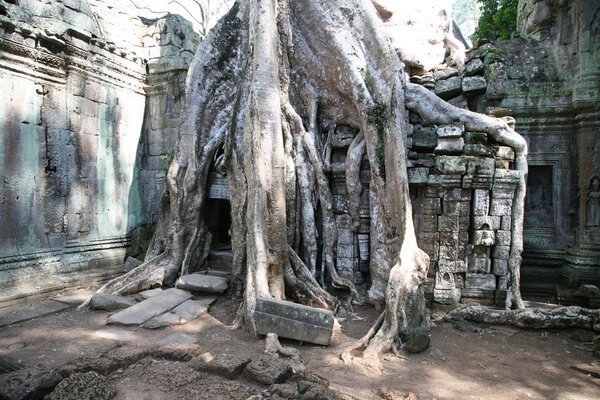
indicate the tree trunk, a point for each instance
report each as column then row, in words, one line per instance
column 266, row 90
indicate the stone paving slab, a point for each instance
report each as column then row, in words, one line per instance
column 20, row 313
column 177, row 338
column 202, row 283
column 192, row 309
column 164, row 320
column 146, row 294
column 149, row 308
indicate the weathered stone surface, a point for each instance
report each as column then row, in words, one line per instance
column 29, row 383
column 474, row 85
column 146, row 294
column 450, row 131
column 449, row 145
column 424, row 138
column 480, row 281
column 479, row 150
column 474, row 67
column 192, row 309
column 448, row 88
column 268, row 370
column 500, row 267
column 131, row 263
column 418, row 341
column 120, row 335
column 163, row 321
column 149, row 308
column 202, row 283
column 451, row 165
column 504, row 152
column 110, row 302
column 83, row 386
column 418, row 176
column 12, row 315
column 293, row 321
column 176, row 338
column 227, row 365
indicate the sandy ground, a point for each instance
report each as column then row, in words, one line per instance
column 493, row 363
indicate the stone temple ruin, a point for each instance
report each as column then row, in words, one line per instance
column 91, row 105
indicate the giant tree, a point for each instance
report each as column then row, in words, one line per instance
column 266, row 86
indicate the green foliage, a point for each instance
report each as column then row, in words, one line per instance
column 166, row 159
column 376, row 115
column 466, row 13
column 498, row 19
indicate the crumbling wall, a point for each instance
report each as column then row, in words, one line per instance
column 73, row 101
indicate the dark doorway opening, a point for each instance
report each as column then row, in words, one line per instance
column 218, row 220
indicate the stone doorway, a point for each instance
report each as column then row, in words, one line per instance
column 218, row 219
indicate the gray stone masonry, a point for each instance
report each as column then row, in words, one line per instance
column 202, row 283
column 150, row 308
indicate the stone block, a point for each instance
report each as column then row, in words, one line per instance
column 481, row 205
column 504, row 153
column 501, row 252
column 507, row 175
column 492, row 221
column 501, row 206
column 478, row 150
column 429, row 243
column 428, row 223
column 481, row 166
column 293, row 321
column 503, row 282
column 149, row 308
column 447, row 296
column 202, row 283
column 450, row 131
column 502, row 164
column 479, row 265
column 474, row 85
column 131, row 263
column 448, row 88
column 505, row 224
column 503, row 191
column 448, row 254
column 474, row 67
column 460, row 102
column 431, row 205
column 444, row 280
column 448, row 223
column 449, row 239
column 451, row 165
column 500, row 267
column 476, row 138
column 457, row 194
column 340, row 204
column 503, row 238
column 110, row 302
column 480, row 281
column 418, row 176
column 450, row 145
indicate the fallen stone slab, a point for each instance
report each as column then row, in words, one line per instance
column 110, row 302
column 149, row 308
column 163, row 321
column 131, row 263
column 20, row 313
column 268, row 370
column 293, row 321
column 120, row 335
column 192, row 309
column 76, row 298
column 177, row 338
column 202, row 283
column 218, row 272
column 229, row 366
column 29, row 383
column 146, row 294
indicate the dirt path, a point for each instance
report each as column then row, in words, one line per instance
column 492, row 363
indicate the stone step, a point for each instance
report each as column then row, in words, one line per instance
column 202, row 283
column 220, row 260
column 149, row 308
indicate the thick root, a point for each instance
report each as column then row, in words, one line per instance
column 532, row 318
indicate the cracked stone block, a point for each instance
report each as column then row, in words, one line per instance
column 451, row 165
column 474, row 67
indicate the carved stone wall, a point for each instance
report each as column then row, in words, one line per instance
column 74, row 95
